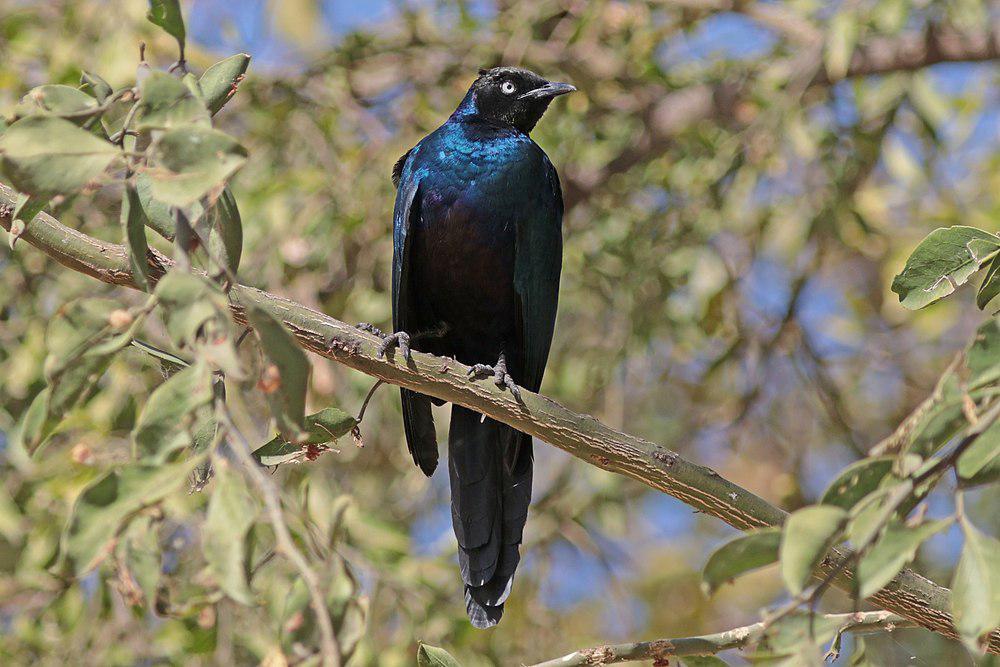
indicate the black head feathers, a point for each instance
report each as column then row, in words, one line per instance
column 511, row 96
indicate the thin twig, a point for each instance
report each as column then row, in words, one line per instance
column 662, row 649
column 371, row 392
column 285, row 543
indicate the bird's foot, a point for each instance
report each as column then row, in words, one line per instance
column 501, row 378
column 400, row 340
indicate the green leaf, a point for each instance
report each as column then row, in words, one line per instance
column 983, row 355
column 286, row 377
column 46, row 156
column 895, row 549
column 219, row 82
column 856, row 481
column 158, row 215
column 432, row 656
column 945, row 259
column 110, row 501
column 232, row 511
column 168, row 103
column 990, row 287
column 980, row 463
column 77, row 358
column 167, row 421
column 806, row 538
column 95, row 85
column 327, row 425
column 740, row 555
column 133, row 221
column 840, row 41
column 140, row 552
column 225, row 236
column 976, row 585
column 56, row 100
column 167, row 15
column 702, row 661
column 190, row 301
column 193, row 162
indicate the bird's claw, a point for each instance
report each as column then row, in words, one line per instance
column 501, row 378
column 400, row 340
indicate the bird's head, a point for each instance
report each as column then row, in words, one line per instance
column 512, row 96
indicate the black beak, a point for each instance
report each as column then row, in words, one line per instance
column 549, row 90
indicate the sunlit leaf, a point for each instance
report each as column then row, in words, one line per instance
column 45, row 156
column 945, row 259
column 983, row 356
column 841, row 37
column 739, row 556
column 219, row 82
column 806, row 538
column 325, row 426
column 432, row 656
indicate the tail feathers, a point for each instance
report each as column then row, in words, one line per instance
column 490, row 496
column 418, row 425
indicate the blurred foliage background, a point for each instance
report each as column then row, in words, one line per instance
column 736, row 209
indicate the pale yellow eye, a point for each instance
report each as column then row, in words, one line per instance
column 507, row 88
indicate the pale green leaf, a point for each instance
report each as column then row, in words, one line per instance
column 739, row 556
column 232, row 511
column 190, row 163
column 168, row 103
column 896, row 548
column 219, row 82
column 806, row 538
column 167, row 421
column 432, row 656
column 109, row 501
column 976, row 585
column 325, row 426
column 46, row 156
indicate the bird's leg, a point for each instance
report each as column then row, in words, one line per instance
column 501, row 377
column 400, row 339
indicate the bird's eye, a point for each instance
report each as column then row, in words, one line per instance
column 507, row 88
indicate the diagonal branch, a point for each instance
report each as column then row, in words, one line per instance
column 661, row 650
column 910, row 595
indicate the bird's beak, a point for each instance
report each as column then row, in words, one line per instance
column 550, row 89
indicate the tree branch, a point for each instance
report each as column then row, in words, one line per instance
column 909, row 594
column 663, row 649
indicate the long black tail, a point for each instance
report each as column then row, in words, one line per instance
column 490, row 470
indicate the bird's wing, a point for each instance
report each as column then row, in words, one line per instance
column 418, row 423
column 537, row 262
column 407, row 204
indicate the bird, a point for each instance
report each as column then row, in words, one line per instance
column 477, row 255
